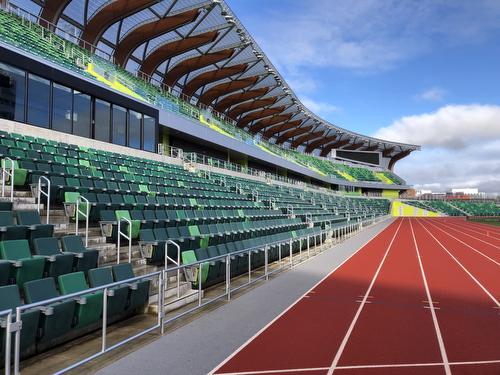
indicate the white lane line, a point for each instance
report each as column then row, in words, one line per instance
column 487, row 228
column 432, row 309
column 463, row 268
column 297, row 301
column 363, row 303
column 309, row 369
column 464, row 243
column 354, row 367
column 460, row 228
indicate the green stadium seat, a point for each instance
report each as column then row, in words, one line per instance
column 10, row 231
column 57, row 263
column 25, row 267
column 138, row 291
column 89, row 306
column 10, row 299
column 35, row 228
column 56, row 319
column 85, row 259
column 118, row 299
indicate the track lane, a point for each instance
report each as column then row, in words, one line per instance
column 467, row 315
column 486, row 271
column 308, row 334
column 397, row 320
column 486, row 227
column 471, row 233
column 475, row 245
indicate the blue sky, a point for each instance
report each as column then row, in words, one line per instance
column 384, row 67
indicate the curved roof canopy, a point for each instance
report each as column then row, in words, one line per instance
column 200, row 49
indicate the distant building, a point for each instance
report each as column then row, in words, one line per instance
column 465, row 191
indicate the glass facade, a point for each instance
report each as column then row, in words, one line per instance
column 12, row 93
column 82, row 114
column 38, row 101
column 62, row 108
column 149, row 134
column 119, row 125
column 26, row 97
column 134, row 129
column 102, row 120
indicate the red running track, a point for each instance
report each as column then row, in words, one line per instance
column 419, row 298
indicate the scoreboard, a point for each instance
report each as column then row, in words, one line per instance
column 367, row 157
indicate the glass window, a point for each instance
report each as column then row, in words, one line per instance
column 62, row 108
column 12, row 93
column 82, row 110
column 38, row 100
column 119, row 125
column 134, row 129
column 149, row 135
column 102, row 120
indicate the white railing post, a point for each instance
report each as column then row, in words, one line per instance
column 228, row 277
column 177, row 262
column 266, row 262
column 7, row 315
column 85, row 215
column 17, row 342
column 47, row 195
column 127, row 237
column 104, row 319
column 5, row 174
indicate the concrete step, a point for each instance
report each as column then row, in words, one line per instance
column 18, row 193
column 173, row 303
column 55, row 212
column 21, row 199
column 70, row 228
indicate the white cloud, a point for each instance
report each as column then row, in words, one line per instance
column 460, row 147
column 318, row 107
column 452, row 127
column 370, row 35
column 434, row 94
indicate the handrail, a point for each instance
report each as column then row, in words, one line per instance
column 177, row 262
column 255, row 195
column 239, row 187
column 272, row 203
column 85, row 215
column 6, row 323
column 47, row 194
column 77, row 295
column 309, row 218
column 11, row 174
column 127, row 237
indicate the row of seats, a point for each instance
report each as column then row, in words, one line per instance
column 58, row 322
column 21, row 263
column 27, row 225
column 194, row 236
column 214, row 272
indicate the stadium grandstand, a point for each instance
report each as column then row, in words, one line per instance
column 156, row 166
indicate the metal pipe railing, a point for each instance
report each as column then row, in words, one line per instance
column 106, row 289
column 176, row 261
column 46, row 194
column 127, row 237
column 8, row 174
column 85, row 214
column 6, row 323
